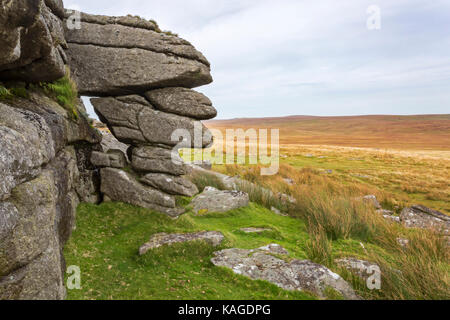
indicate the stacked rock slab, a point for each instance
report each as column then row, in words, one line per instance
column 112, row 56
column 143, row 78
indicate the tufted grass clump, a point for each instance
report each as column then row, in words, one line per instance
column 65, row 92
column 206, row 180
column 319, row 248
column 5, row 94
column 11, row 93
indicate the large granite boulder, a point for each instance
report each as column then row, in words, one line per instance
column 114, row 58
column 118, row 185
column 299, row 275
column 157, row 160
column 32, row 41
column 134, row 121
column 182, row 101
column 170, row 184
column 214, row 200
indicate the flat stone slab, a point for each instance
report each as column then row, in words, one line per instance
column 215, row 238
column 296, row 275
column 170, row 184
column 118, row 185
column 182, row 101
column 214, row 200
column 134, row 121
column 157, row 160
column 255, row 230
column 111, row 56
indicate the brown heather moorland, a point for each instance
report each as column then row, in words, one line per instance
column 407, row 157
column 419, row 132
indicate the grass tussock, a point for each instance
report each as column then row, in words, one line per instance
column 319, row 248
column 417, row 271
column 10, row 93
column 264, row 196
column 65, row 92
column 206, row 180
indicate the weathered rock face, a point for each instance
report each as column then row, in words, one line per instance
column 157, row 160
column 118, row 56
column 32, row 41
column 117, row 185
column 135, row 121
column 170, row 184
column 39, row 177
column 425, row 218
column 38, row 199
column 182, row 101
column 110, row 142
column 213, row 200
column 26, row 144
column 39, row 174
column 113, row 158
column 214, row 238
column 261, row 264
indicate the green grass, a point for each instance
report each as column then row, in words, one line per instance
column 5, row 94
column 106, row 242
column 206, row 180
column 64, row 91
column 10, row 93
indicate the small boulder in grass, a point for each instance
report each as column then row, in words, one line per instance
column 425, row 218
column 214, row 238
column 372, row 199
column 214, row 200
column 294, row 275
column 254, row 230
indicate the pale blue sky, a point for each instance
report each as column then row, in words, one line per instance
column 310, row 57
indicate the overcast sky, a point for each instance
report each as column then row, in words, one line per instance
column 310, row 57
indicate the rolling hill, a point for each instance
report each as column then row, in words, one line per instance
column 418, row 132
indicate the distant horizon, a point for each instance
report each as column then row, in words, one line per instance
column 332, row 116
